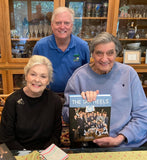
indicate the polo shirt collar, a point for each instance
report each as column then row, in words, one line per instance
column 53, row 45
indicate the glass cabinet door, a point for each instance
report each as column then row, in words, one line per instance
column 29, row 21
column 132, row 25
column 90, row 17
column 16, row 79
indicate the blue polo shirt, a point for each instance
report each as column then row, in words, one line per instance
column 64, row 63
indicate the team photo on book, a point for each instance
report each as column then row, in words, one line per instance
column 89, row 120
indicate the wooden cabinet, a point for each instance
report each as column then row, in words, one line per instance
column 17, row 38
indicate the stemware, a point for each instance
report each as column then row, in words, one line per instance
column 31, row 29
column 144, row 11
column 92, row 31
column 132, row 11
column 45, row 29
column 40, row 29
column 137, row 11
column 36, row 30
column 25, row 31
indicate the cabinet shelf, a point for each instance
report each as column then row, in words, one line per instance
column 121, row 18
column 144, row 86
column 25, row 39
column 91, row 18
column 86, row 39
column 128, row 39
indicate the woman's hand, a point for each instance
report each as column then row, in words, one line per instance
column 90, row 95
column 109, row 141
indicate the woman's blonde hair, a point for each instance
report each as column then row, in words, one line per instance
column 37, row 59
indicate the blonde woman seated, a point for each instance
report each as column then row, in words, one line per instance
column 31, row 118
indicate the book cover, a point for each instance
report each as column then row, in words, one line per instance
column 89, row 120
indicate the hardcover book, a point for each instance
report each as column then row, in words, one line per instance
column 89, row 120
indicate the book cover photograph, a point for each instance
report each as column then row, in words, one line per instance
column 89, row 120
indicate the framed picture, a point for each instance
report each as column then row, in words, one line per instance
column 146, row 57
column 132, row 56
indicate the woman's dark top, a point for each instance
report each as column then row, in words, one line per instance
column 31, row 123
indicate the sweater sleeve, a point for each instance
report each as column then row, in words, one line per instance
column 135, row 130
column 72, row 87
column 7, row 126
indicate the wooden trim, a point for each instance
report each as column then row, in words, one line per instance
column 7, row 32
column 62, row 3
column 115, row 16
column 4, row 81
column 2, row 47
column 56, row 3
column 110, row 16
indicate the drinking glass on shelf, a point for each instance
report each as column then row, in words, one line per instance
column 122, row 34
column 144, row 11
column 25, row 31
column 98, row 29
column 31, row 29
column 98, row 10
column 45, row 29
column 132, row 11
column 36, row 30
column 123, row 2
column 40, row 29
column 89, row 9
column 92, row 31
column 137, row 12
